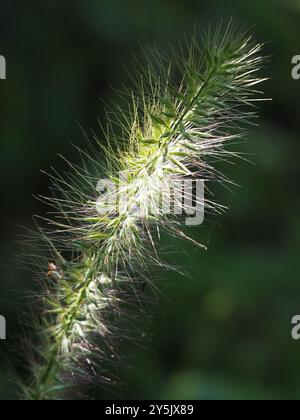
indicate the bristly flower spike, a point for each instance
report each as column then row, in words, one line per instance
column 185, row 110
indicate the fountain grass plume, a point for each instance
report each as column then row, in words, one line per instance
column 184, row 110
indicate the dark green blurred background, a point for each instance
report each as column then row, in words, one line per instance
column 225, row 333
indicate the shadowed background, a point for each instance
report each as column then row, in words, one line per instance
column 223, row 333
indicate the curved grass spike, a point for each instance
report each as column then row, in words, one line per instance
column 185, row 110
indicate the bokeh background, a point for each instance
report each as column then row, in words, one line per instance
column 225, row 332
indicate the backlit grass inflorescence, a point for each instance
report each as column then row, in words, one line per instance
column 186, row 108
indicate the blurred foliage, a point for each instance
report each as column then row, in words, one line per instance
column 224, row 332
